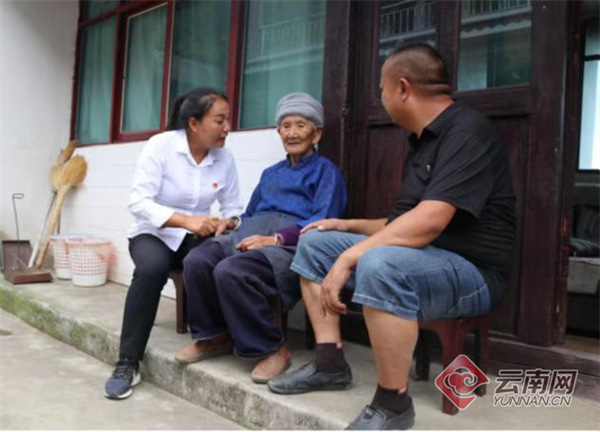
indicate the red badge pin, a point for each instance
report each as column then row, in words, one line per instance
column 215, row 185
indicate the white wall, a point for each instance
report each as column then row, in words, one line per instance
column 99, row 206
column 37, row 57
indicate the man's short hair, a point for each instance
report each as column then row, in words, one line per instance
column 423, row 66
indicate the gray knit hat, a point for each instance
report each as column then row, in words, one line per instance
column 301, row 104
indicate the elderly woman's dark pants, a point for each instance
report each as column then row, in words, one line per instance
column 153, row 262
column 235, row 295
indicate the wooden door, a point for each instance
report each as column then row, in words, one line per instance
column 527, row 110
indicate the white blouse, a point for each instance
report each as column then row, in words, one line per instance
column 168, row 180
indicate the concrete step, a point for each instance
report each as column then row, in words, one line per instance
column 90, row 320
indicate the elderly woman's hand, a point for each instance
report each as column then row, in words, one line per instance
column 327, row 225
column 256, row 242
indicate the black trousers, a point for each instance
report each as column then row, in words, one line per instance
column 153, row 262
column 234, row 294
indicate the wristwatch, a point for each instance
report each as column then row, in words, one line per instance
column 237, row 220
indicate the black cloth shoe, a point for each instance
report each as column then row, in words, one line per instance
column 124, row 377
column 307, row 379
column 381, row 419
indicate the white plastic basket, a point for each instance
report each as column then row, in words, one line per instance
column 89, row 258
column 62, row 266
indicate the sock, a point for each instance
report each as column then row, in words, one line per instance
column 394, row 400
column 127, row 360
column 330, row 358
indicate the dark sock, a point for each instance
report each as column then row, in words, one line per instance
column 133, row 362
column 391, row 399
column 330, row 358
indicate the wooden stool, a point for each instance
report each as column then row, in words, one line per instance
column 181, row 302
column 452, row 337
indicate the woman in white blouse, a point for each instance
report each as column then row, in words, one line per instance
column 180, row 174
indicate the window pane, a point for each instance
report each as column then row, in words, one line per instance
column 592, row 39
column 402, row 22
column 589, row 141
column 495, row 44
column 283, row 54
column 144, row 70
column 200, row 46
column 94, row 8
column 96, row 82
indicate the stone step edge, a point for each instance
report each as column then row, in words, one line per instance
column 229, row 399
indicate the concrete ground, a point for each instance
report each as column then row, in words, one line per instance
column 90, row 320
column 46, row 384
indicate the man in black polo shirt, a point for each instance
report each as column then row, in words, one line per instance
column 445, row 251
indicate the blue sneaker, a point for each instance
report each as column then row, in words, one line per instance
column 124, row 377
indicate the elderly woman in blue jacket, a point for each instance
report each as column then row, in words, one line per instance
column 239, row 284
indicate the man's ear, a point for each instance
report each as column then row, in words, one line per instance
column 404, row 88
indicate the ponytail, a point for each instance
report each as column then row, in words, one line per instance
column 175, row 110
column 196, row 103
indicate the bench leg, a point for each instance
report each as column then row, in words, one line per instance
column 181, row 300
column 452, row 345
column 309, row 332
column 281, row 317
column 482, row 354
column 422, row 356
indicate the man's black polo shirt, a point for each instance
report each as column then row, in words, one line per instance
column 460, row 160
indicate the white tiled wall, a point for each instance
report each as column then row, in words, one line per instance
column 99, row 206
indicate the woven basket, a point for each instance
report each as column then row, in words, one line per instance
column 89, row 259
column 62, row 266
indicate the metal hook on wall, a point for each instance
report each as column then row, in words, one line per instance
column 15, row 197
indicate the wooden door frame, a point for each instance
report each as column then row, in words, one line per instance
column 571, row 140
column 337, row 82
column 542, row 322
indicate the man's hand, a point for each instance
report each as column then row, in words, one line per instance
column 338, row 276
column 202, row 226
column 225, row 225
column 255, row 242
column 327, row 225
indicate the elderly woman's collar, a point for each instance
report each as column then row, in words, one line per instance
column 304, row 160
